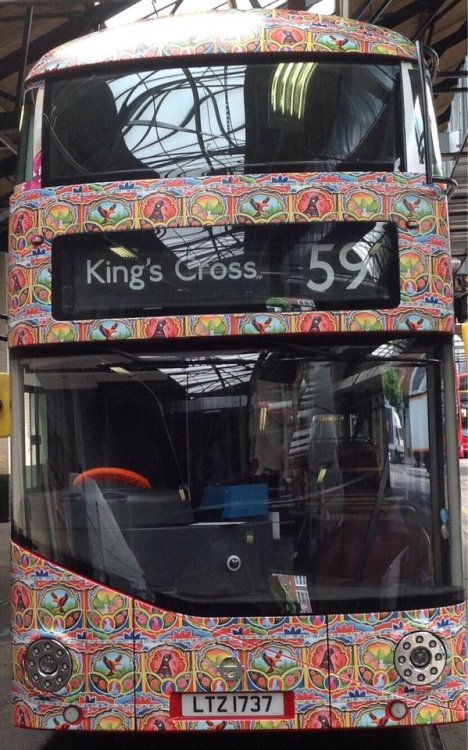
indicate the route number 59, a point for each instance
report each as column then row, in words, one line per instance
column 359, row 268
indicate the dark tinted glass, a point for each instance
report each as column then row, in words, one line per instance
column 284, row 116
column 275, row 267
column 318, row 471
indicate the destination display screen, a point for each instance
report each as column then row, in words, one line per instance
column 225, row 269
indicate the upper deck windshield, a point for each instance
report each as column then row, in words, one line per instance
column 295, row 115
column 265, row 481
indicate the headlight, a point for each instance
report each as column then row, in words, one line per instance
column 420, row 658
column 48, row 665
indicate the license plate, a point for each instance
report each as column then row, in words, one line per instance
column 225, row 705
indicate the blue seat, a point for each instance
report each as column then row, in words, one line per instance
column 234, row 501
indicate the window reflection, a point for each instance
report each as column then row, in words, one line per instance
column 211, row 119
column 154, row 474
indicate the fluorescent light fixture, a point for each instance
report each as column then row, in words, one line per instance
column 122, row 252
column 289, row 89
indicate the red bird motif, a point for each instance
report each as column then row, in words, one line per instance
column 60, row 601
column 327, row 660
column 20, row 605
column 315, row 324
column 16, row 283
column 259, row 206
column 157, row 213
column 272, row 660
column 20, row 224
column 164, row 669
column 311, row 208
column 64, row 725
column 340, row 43
column 288, row 38
column 106, row 213
column 415, row 326
column 262, row 327
column 160, row 328
column 216, row 727
column 379, row 722
column 112, row 664
column 108, row 332
column 411, row 205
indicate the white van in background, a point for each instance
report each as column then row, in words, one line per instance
column 396, row 445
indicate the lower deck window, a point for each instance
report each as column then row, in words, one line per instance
column 284, row 480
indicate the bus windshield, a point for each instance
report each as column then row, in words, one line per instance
column 286, row 479
column 211, row 119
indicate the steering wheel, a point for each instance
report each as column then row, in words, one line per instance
column 113, row 475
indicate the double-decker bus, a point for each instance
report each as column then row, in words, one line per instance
column 462, row 404
column 229, row 255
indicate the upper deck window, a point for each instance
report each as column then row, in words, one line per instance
column 210, row 119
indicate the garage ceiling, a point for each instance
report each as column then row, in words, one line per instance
column 29, row 28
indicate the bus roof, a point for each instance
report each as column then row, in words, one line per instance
column 225, row 32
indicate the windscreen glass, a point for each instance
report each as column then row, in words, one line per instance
column 204, row 120
column 267, row 481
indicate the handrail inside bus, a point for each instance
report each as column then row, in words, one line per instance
column 450, row 182
column 432, row 60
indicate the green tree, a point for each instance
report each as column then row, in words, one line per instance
column 393, row 391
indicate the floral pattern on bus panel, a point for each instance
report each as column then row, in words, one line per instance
column 263, row 31
column 94, row 624
column 351, row 665
column 419, row 213
column 366, row 682
column 272, row 653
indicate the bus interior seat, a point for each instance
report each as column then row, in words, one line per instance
column 95, row 536
column 235, row 501
column 359, row 463
column 134, row 503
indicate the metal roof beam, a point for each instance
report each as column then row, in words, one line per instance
column 450, row 41
column 435, row 17
column 411, row 10
column 7, row 121
column 78, row 26
column 8, row 166
column 381, row 10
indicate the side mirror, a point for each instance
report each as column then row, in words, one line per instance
column 5, row 405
